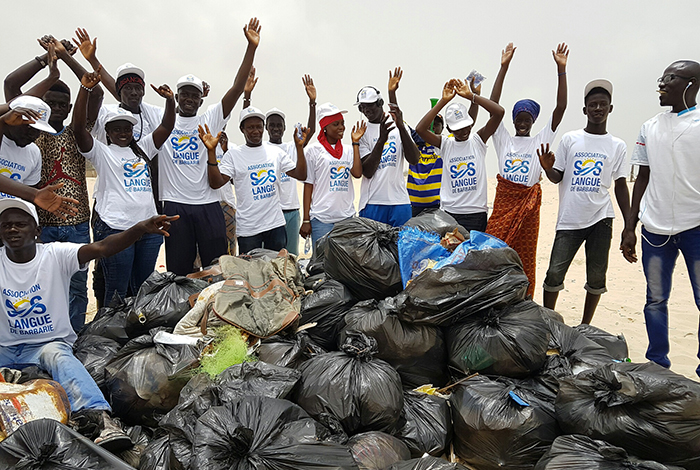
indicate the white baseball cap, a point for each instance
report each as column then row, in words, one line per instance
column 121, row 114
column 275, row 111
column 368, row 94
column 191, row 80
column 328, row 109
column 130, row 68
column 250, row 112
column 20, row 204
column 599, row 83
column 457, row 117
column 38, row 105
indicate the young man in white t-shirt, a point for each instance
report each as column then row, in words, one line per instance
column 383, row 147
column 463, row 189
column 586, row 163
column 35, row 328
column 255, row 169
column 666, row 198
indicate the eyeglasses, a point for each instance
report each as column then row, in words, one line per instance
column 670, row 77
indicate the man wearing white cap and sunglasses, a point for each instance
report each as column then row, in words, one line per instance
column 463, row 190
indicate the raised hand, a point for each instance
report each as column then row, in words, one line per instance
column 205, row 89
column 209, row 140
column 164, row 91
column 507, row 54
column 475, row 89
column 462, row 89
column 52, row 60
column 304, row 134
column 250, row 82
column 47, row 199
column 68, row 46
column 19, row 116
column 385, row 127
column 87, row 48
column 395, row 79
column 546, row 157
column 160, row 224
column 309, row 86
column 358, row 130
column 252, row 32
column 448, row 91
column 90, row 79
column 561, row 55
column 396, row 114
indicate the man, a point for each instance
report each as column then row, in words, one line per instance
column 383, row 147
column 35, row 328
column 61, row 161
column 587, row 162
column 666, row 198
column 275, row 126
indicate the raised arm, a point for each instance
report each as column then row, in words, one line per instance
column 474, row 108
column 299, row 172
column 629, row 237
column 163, row 131
column 410, row 150
column 88, row 49
column 423, row 126
column 560, row 57
column 547, row 159
column 15, row 80
column 311, row 93
column 216, row 179
column 358, row 130
column 252, row 34
column 495, row 110
column 82, row 136
column 394, row 84
column 250, row 83
column 506, row 57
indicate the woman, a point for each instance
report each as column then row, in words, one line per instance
column 516, row 209
column 329, row 196
column 124, row 194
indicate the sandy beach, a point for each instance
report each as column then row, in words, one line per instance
column 620, row 309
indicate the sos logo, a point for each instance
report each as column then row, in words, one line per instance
column 184, row 143
column 342, row 172
column 262, row 177
column 587, row 167
column 462, row 170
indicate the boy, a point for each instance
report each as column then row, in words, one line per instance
column 587, row 162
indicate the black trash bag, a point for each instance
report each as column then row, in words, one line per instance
column 648, row 410
column 426, row 463
column 491, row 278
column 141, row 437
column 576, row 452
column 363, row 254
column 315, row 266
column 144, row 379
column 326, row 307
column 260, row 433
column 427, row 425
column 163, row 299
column 417, row 352
column 314, row 282
column 256, row 379
column 436, row 221
column 110, row 322
column 288, row 350
column 377, row 450
column 511, row 342
column 574, row 352
column 500, row 424
column 361, row 392
column 157, row 456
column 95, row 352
column 33, row 373
column 46, row 444
column 615, row 344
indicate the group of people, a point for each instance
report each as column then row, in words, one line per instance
column 164, row 173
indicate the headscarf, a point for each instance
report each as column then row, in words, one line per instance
column 336, row 152
column 529, row 106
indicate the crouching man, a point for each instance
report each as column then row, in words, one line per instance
column 35, row 327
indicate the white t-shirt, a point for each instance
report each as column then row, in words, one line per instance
column 463, row 189
column 590, row 164
column 388, row 185
column 123, row 193
column 255, row 174
column 226, row 191
column 34, row 295
column 669, row 144
column 517, row 156
column 182, row 166
column 22, row 164
column 333, row 197
column 148, row 120
column 289, row 195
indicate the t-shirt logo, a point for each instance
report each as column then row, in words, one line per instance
column 588, row 166
column 24, row 307
column 262, row 181
column 516, row 168
column 262, row 177
column 388, row 154
column 134, row 170
column 462, row 169
column 587, row 169
column 26, row 312
column 136, row 177
column 185, row 149
column 463, row 176
column 340, row 178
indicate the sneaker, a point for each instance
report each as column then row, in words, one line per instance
column 112, row 438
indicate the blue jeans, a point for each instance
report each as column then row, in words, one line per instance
column 319, row 230
column 274, row 239
column 78, row 296
column 392, row 215
column 659, row 254
column 56, row 357
column 293, row 222
column 127, row 270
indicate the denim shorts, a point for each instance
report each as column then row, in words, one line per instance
column 567, row 243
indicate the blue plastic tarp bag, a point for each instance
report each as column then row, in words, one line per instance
column 477, row 241
column 418, row 250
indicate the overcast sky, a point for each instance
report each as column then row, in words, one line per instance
column 346, row 45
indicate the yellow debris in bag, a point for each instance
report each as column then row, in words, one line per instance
column 36, row 399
